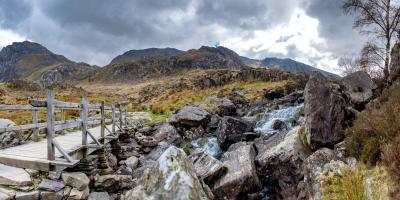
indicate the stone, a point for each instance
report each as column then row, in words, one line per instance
column 394, row 68
column 76, row 194
column 324, row 109
column 313, row 168
column 241, row 175
column 168, row 133
column 12, row 176
column 76, row 180
column 278, row 124
column 51, row 185
column 132, row 162
column 172, row 177
column 99, row 196
column 190, row 116
column 230, row 130
column 226, row 108
column 360, row 88
column 6, row 193
column 274, row 94
column 4, row 196
column 113, row 183
column 279, row 163
column 34, row 195
column 46, row 195
column 6, row 123
column 207, row 167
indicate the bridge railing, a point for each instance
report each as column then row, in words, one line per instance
column 118, row 120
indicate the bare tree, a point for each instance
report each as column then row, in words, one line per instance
column 378, row 18
column 349, row 63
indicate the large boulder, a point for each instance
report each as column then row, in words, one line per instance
column 279, row 163
column 324, row 109
column 241, row 176
column 207, row 167
column 190, row 116
column 172, row 177
column 12, row 176
column 394, row 69
column 359, row 87
column 168, row 133
column 231, row 130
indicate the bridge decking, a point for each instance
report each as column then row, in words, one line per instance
column 34, row 155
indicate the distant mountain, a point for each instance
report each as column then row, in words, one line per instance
column 158, row 66
column 32, row 61
column 284, row 64
column 140, row 54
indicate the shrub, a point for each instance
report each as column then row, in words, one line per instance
column 375, row 127
column 391, row 159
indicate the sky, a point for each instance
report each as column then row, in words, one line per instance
column 315, row 32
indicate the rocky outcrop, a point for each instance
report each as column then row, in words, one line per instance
column 359, row 88
column 190, row 116
column 231, row 130
column 141, row 54
column 279, row 163
column 394, row 69
column 226, row 108
column 76, row 180
column 324, row 109
column 171, row 178
column 207, row 167
column 241, row 176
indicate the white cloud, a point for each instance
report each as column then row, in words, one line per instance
column 301, row 41
column 7, row 37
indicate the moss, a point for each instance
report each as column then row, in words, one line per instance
column 303, row 138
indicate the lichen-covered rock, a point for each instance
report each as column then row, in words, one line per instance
column 313, row 167
column 132, row 162
column 76, row 194
column 207, row 167
column 77, row 180
column 27, row 195
column 241, row 175
column 8, row 139
column 360, row 88
column 324, row 109
column 190, row 116
column 168, row 133
column 279, row 161
column 12, row 176
column 173, row 177
column 230, row 130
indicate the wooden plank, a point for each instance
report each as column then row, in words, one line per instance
column 35, row 131
column 84, row 123
column 19, row 107
column 50, row 125
column 66, row 125
column 57, row 104
column 25, row 162
column 62, row 151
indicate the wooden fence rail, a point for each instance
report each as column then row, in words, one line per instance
column 51, row 125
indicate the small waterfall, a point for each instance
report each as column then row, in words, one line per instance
column 209, row 145
column 288, row 115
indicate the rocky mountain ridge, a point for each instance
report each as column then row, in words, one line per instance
column 32, row 61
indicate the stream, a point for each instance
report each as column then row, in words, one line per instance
column 288, row 115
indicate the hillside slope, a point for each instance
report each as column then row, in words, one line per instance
column 140, row 54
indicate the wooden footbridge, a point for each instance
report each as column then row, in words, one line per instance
column 65, row 150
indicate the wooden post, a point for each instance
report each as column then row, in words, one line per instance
column 113, row 118
column 103, row 122
column 120, row 116
column 84, row 116
column 63, row 119
column 35, row 130
column 50, row 125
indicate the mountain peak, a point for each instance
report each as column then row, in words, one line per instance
column 139, row 54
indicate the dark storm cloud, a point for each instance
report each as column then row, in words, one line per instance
column 257, row 15
column 12, row 13
column 335, row 27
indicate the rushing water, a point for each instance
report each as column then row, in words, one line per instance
column 208, row 144
column 288, row 115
